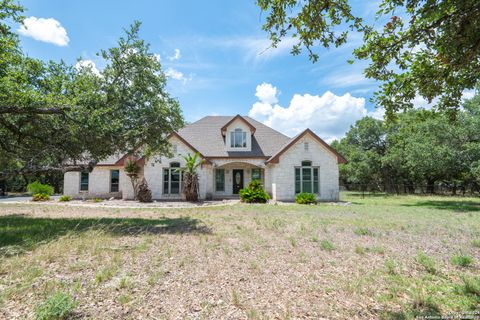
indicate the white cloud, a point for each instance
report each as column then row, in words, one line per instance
column 329, row 115
column 87, row 64
column 261, row 48
column 253, row 48
column 177, row 75
column 378, row 113
column 422, row 103
column 468, row 94
column 174, row 74
column 346, row 80
column 266, row 93
column 176, row 55
column 46, row 30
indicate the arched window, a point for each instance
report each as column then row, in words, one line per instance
column 306, row 178
column 238, row 138
column 172, row 179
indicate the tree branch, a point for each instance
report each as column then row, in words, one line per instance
column 20, row 110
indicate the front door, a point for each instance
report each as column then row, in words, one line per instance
column 237, row 180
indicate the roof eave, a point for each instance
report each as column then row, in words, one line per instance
column 276, row 158
column 224, row 128
column 188, row 145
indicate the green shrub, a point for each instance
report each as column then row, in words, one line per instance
column 427, row 262
column 327, row 245
column 462, row 260
column 363, row 231
column 56, row 307
column 359, row 250
column 254, row 193
column 476, row 243
column 41, row 197
column 471, row 285
column 305, row 198
column 391, row 267
column 65, row 198
column 37, row 187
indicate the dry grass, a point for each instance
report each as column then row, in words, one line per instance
column 365, row 260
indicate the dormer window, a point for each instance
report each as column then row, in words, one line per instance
column 238, row 138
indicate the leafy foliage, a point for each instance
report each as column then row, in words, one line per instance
column 306, row 198
column 421, row 148
column 425, row 48
column 254, row 193
column 55, row 116
column 65, row 198
column 58, row 306
column 40, row 197
column 37, row 187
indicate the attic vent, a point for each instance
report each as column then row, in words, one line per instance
column 305, row 146
column 174, row 148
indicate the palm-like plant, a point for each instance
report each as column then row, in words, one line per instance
column 190, row 176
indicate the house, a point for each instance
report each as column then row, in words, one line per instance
column 236, row 150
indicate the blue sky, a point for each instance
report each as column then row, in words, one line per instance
column 217, row 58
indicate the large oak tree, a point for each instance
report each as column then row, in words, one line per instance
column 55, row 116
column 427, row 48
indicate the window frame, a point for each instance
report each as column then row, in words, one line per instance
column 217, row 171
column 259, row 174
column 314, row 172
column 174, row 166
column 82, row 184
column 111, row 180
column 242, row 137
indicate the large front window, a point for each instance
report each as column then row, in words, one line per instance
column 172, row 179
column 306, row 178
column 238, row 139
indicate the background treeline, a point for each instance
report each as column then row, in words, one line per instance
column 421, row 151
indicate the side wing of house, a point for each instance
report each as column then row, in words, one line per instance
column 105, row 181
column 306, row 164
column 164, row 175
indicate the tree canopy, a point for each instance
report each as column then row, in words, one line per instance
column 421, row 149
column 54, row 115
column 425, row 48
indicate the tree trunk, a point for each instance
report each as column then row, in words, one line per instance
column 190, row 186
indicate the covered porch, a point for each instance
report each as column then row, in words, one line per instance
column 229, row 177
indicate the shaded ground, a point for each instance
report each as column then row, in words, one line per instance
column 244, row 261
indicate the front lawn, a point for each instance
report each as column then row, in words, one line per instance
column 379, row 257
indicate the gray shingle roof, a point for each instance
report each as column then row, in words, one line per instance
column 205, row 136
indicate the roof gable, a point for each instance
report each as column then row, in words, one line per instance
column 276, row 157
column 239, row 117
column 205, row 135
